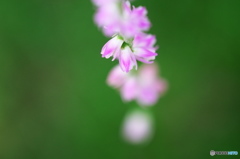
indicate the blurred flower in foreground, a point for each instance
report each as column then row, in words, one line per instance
column 143, row 86
column 137, row 127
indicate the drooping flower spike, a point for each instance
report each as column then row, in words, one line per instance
column 127, row 26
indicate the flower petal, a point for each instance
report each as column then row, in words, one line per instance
column 144, row 41
column 129, row 89
column 148, row 95
column 144, row 53
column 111, row 47
column 126, row 59
column 148, row 73
column 116, row 77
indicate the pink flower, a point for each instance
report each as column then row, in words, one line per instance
column 137, row 127
column 117, row 48
column 143, row 46
column 134, row 20
column 107, row 16
column 112, row 47
column 141, row 49
column 121, row 20
column 127, row 59
column 144, row 86
column 151, row 85
column 117, row 77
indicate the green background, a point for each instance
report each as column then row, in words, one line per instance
column 54, row 101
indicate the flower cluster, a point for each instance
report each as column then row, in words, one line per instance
column 127, row 26
column 121, row 18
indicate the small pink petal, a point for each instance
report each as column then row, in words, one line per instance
column 129, row 89
column 148, row 95
column 116, row 77
column 151, row 87
column 126, row 59
column 144, row 40
column 111, row 47
column 148, row 73
column 143, row 60
column 144, row 53
column 127, row 8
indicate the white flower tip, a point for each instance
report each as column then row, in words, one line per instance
column 137, row 127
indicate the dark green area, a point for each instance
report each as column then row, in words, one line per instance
column 54, row 101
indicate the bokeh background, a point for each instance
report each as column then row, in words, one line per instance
column 54, row 101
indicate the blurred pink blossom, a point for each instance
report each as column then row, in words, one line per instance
column 144, row 86
column 118, row 17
